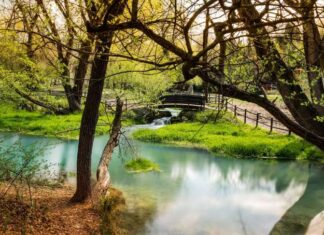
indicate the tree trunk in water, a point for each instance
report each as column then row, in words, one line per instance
column 103, row 176
column 90, row 117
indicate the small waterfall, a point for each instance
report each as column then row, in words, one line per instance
column 156, row 123
column 161, row 121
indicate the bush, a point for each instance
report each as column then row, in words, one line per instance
column 138, row 165
column 22, row 166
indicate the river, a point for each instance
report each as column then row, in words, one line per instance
column 198, row 193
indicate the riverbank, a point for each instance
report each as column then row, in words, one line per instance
column 50, row 212
column 50, row 125
column 232, row 138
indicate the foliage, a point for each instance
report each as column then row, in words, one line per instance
column 133, row 84
column 139, row 165
column 18, row 71
column 22, row 165
column 232, row 139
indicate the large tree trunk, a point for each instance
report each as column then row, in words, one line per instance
column 90, row 117
column 74, row 94
column 73, row 103
column 293, row 95
column 91, row 110
column 103, row 176
column 313, row 51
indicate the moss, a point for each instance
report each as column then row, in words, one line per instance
column 139, row 165
column 232, row 139
column 38, row 123
column 118, row 219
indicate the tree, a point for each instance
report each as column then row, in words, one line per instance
column 242, row 22
column 71, row 43
column 112, row 11
column 103, row 176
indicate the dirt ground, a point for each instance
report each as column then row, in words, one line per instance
column 49, row 212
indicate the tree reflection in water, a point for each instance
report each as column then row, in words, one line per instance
column 297, row 218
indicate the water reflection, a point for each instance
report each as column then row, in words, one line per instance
column 305, row 216
column 202, row 194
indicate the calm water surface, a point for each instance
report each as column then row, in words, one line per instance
column 197, row 193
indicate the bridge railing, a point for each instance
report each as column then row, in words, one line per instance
column 222, row 103
column 248, row 116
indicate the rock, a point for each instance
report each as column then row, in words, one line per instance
column 175, row 120
column 147, row 115
column 186, row 115
column 157, row 114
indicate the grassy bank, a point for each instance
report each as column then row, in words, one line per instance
column 141, row 165
column 39, row 123
column 232, row 139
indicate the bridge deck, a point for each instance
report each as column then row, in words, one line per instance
column 188, row 101
column 182, row 105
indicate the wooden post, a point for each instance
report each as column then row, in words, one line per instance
column 257, row 119
column 126, row 104
column 271, row 124
column 235, row 110
column 289, row 132
column 244, row 115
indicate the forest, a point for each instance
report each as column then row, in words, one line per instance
column 161, row 117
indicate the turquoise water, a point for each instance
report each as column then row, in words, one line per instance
column 198, row 193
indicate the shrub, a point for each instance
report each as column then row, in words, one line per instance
column 138, row 165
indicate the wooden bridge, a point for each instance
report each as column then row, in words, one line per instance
column 183, row 100
column 197, row 102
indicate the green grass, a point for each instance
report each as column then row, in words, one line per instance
column 232, row 139
column 38, row 123
column 139, row 165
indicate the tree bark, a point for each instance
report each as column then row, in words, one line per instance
column 90, row 117
column 81, row 70
column 103, row 176
column 313, row 51
column 293, row 95
column 73, row 103
column 91, row 111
